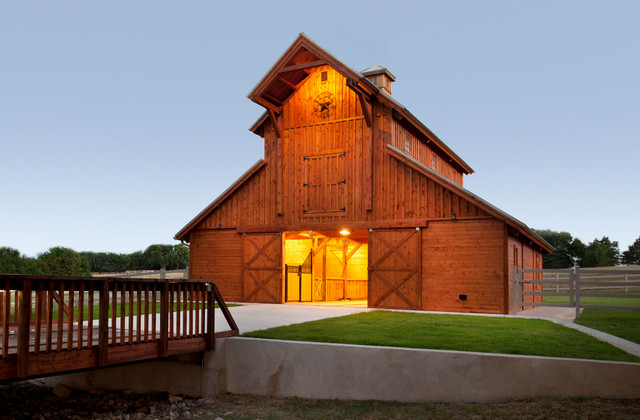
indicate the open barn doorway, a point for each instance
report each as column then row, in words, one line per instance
column 326, row 266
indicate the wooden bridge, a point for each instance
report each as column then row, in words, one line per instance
column 51, row 325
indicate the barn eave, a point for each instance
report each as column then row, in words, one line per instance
column 511, row 221
column 183, row 234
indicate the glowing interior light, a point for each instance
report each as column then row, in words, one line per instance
column 344, row 232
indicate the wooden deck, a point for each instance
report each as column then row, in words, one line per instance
column 51, row 325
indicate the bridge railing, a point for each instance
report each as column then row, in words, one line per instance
column 51, row 324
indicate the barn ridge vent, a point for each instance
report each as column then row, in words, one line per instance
column 380, row 76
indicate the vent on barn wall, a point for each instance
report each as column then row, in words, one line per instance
column 380, row 77
column 324, row 76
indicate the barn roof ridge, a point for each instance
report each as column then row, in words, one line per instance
column 324, row 57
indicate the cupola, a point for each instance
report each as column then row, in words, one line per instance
column 380, row 76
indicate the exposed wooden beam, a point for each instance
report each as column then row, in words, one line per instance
column 276, row 124
column 362, row 97
column 286, row 82
column 302, row 66
column 272, row 99
column 262, row 101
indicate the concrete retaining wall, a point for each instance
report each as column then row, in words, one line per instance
column 336, row 371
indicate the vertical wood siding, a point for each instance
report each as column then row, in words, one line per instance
column 527, row 258
column 463, row 257
column 421, row 150
column 217, row 255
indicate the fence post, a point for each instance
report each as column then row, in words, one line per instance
column 211, row 310
column 103, row 325
column 164, row 320
column 557, row 282
column 163, row 273
column 626, row 280
column 578, row 291
column 24, row 327
column 515, row 290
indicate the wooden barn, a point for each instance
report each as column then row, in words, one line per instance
column 355, row 199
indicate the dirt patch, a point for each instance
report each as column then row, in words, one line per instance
column 30, row 400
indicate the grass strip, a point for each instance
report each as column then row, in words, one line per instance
column 621, row 323
column 451, row 332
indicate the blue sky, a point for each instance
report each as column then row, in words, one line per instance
column 120, row 121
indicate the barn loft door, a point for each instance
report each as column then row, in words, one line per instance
column 324, row 183
column 262, row 267
column 394, row 268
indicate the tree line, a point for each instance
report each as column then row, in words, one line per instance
column 571, row 252
column 60, row 261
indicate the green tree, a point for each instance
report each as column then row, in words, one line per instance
column 601, row 253
column 9, row 260
column 632, row 255
column 59, row 261
column 12, row 262
column 568, row 250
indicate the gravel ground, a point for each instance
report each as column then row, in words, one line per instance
column 30, row 400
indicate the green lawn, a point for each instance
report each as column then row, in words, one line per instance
column 451, row 332
column 621, row 323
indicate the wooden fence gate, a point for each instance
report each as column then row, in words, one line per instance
column 394, row 268
column 262, row 268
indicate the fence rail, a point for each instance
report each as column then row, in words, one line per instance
column 54, row 324
column 577, row 284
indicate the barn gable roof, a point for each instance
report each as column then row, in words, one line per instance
column 292, row 69
column 471, row 197
column 183, row 235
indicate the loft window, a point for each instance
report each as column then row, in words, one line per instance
column 374, row 80
column 324, row 186
column 324, row 76
column 407, row 145
column 434, row 162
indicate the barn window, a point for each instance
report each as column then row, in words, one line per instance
column 324, row 186
column 374, row 80
column 407, row 144
column 434, row 162
column 515, row 255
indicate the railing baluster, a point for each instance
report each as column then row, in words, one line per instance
column 49, row 316
column 90, row 315
column 123, row 307
column 60, row 301
column 38, row 319
column 131, row 307
column 165, row 315
column 196, row 300
column 146, row 312
column 171, row 320
column 178, row 310
column 103, row 323
column 185, row 309
column 139, row 312
column 72, row 294
column 114, row 307
column 153, row 311
column 24, row 327
column 81, row 315
column 6, row 318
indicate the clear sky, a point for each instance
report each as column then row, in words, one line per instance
column 120, row 121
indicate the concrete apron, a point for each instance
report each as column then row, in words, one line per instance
column 337, row 371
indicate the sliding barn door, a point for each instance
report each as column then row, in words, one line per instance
column 262, row 268
column 394, row 269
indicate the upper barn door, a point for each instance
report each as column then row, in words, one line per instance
column 394, row 268
column 262, row 268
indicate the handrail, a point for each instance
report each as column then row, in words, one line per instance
column 55, row 324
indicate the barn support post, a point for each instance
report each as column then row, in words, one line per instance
column 211, row 310
column 515, row 290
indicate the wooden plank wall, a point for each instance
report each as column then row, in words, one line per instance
column 527, row 258
column 217, row 255
column 416, row 146
column 305, row 134
column 463, row 257
column 403, row 193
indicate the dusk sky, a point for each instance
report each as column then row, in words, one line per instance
column 120, row 121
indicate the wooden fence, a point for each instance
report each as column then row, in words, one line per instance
column 575, row 284
column 50, row 324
